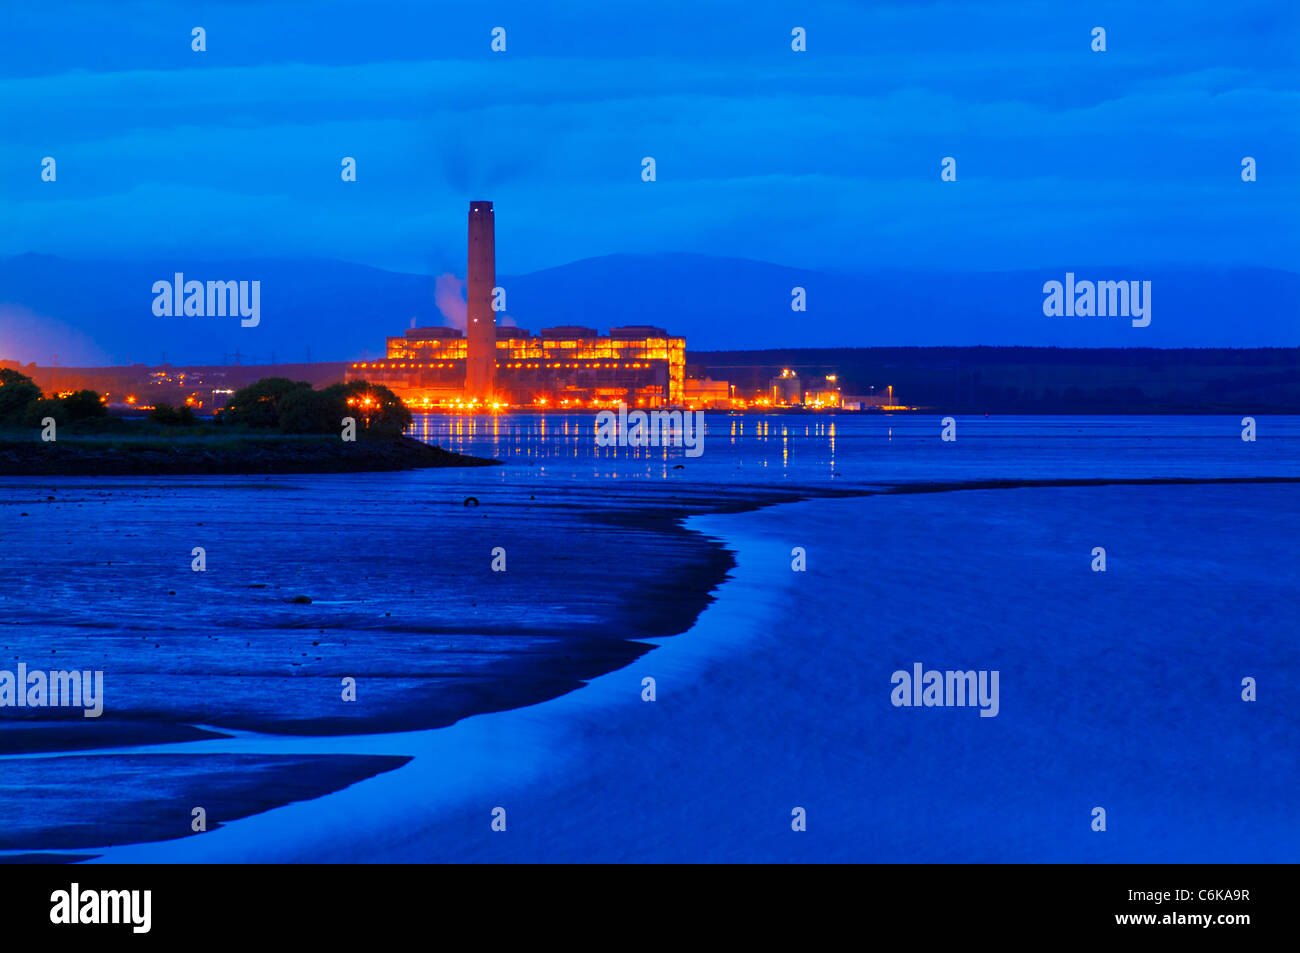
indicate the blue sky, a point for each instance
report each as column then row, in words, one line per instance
column 825, row 159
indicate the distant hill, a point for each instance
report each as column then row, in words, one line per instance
column 1011, row 380
column 95, row 313
column 727, row 303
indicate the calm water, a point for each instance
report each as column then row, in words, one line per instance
column 864, row 449
column 1120, row 690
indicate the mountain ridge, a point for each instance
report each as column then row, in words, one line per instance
column 100, row 312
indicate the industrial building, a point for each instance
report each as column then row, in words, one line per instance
column 561, row 367
column 490, row 366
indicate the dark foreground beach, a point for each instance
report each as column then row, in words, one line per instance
column 1119, row 688
column 382, row 578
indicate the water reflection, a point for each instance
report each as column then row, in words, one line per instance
column 748, row 441
column 870, row 447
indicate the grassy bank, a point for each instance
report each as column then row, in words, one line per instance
column 144, row 448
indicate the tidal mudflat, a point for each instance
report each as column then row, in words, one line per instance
column 388, row 579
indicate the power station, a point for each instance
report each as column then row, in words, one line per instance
column 490, row 367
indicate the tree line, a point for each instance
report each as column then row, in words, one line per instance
column 272, row 403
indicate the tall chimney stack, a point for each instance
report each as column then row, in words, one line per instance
column 480, row 321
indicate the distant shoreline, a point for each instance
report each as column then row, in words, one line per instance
column 995, row 379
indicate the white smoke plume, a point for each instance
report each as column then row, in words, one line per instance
column 449, row 296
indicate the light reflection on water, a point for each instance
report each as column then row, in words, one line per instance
column 550, row 438
column 869, row 448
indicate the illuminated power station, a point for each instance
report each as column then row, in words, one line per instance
column 491, row 367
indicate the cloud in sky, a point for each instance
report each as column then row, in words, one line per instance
column 826, row 159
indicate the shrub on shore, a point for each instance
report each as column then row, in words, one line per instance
column 294, row 408
column 309, row 411
column 84, row 405
column 38, row 410
column 22, row 404
column 171, row 416
column 378, row 411
column 17, row 393
column 258, row 404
